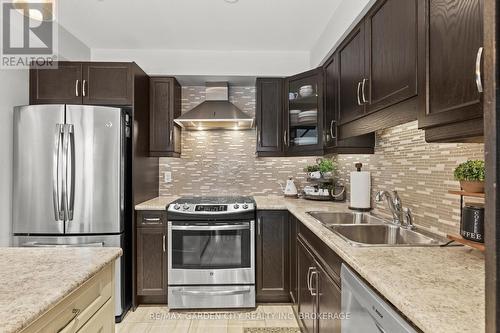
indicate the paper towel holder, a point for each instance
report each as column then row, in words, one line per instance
column 358, row 167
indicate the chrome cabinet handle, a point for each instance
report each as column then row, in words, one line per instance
column 84, row 91
column 164, row 244
column 211, row 293
column 358, row 92
column 331, row 129
column 151, row 220
column 363, row 91
column 77, row 84
column 309, row 277
column 170, row 138
column 285, row 138
column 55, row 173
column 258, row 225
column 210, row 227
column 479, row 84
column 259, row 139
column 313, row 291
column 75, row 312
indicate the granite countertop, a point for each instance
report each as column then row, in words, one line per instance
column 158, row 203
column 438, row 289
column 33, row 280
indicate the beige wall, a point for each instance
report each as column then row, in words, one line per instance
column 421, row 172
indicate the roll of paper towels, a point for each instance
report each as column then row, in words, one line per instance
column 360, row 190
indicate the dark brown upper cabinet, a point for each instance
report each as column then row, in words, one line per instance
column 391, row 54
column 381, row 68
column 92, row 83
column 273, row 271
column 56, row 86
column 269, row 116
column 107, row 83
column 351, row 72
column 363, row 144
column 303, row 125
column 165, row 106
column 453, row 109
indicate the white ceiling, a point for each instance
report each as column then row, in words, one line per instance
column 251, row 25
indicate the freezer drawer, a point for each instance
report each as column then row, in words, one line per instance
column 365, row 310
column 85, row 241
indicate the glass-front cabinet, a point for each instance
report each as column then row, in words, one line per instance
column 304, row 112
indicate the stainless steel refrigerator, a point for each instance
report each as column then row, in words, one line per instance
column 69, row 179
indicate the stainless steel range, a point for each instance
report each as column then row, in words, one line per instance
column 211, row 261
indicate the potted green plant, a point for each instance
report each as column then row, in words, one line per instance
column 471, row 176
column 327, row 167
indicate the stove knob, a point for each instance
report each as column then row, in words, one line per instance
column 236, row 206
column 185, row 206
column 177, row 206
column 245, row 206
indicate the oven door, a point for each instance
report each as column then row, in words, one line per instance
column 211, row 253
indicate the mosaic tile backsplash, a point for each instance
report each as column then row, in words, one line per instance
column 224, row 163
column 422, row 173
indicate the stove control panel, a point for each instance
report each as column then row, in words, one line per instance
column 193, row 208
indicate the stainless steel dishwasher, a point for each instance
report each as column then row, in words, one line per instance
column 365, row 311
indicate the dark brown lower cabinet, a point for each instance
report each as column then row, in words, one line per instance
column 307, row 302
column 151, row 271
column 319, row 292
column 272, row 250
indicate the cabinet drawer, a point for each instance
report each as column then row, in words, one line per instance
column 103, row 321
column 151, row 218
column 75, row 310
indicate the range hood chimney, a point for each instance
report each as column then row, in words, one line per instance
column 216, row 112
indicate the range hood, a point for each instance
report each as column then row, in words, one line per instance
column 216, row 112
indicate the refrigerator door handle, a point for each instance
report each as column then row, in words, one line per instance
column 71, row 191
column 65, row 201
column 55, row 173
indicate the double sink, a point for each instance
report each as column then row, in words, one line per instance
column 365, row 230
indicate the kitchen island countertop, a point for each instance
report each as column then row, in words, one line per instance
column 33, row 280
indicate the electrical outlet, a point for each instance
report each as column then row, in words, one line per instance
column 167, row 176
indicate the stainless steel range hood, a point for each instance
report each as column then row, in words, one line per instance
column 216, row 112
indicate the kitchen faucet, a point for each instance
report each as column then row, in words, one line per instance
column 400, row 216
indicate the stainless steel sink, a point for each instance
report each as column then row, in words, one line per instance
column 382, row 235
column 365, row 230
column 334, row 218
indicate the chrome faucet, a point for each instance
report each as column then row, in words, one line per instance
column 400, row 216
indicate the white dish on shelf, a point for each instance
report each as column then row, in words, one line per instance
column 306, row 141
column 310, row 113
column 306, row 93
column 295, row 111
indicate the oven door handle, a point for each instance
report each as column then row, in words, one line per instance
column 210, row 227
column 212, row 293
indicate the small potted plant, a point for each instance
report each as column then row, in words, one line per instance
column 471, row 176
column 327, row 167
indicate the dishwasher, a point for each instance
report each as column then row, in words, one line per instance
column 365, row 311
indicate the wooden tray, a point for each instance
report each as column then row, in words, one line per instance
column 461, row 240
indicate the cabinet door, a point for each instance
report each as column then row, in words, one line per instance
column 331, row 75
column 152, row 261
column 165, row 106
column 56, row 86
column 454, row 41
column 329, row 302
column 304, row 114
column 307, row 299
column 269, row 115
column 272, row 256
column 391, row 48
column 351, row 73
column 293, row 258
column 107, row 83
